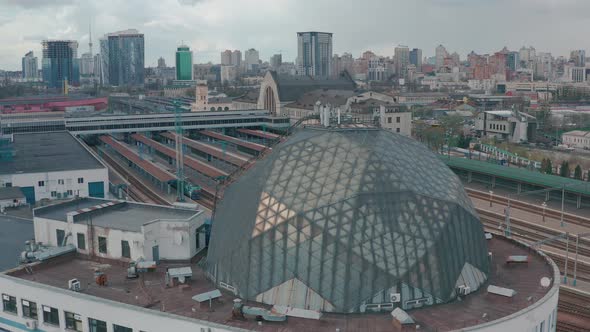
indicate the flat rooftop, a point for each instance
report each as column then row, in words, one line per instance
column 126, row 216
column 48, row 152
column 523, row 278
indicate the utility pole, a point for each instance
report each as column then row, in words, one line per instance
column 179, row 152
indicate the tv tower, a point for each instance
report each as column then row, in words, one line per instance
column 90, row 39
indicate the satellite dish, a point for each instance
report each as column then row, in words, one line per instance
column 545, row 282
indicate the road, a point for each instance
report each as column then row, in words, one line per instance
column 13, row 234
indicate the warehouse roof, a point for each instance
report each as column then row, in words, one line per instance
column 47, row 152
column 520, row 175
column 126, row 216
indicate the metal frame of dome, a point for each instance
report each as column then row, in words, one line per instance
column 336, row 219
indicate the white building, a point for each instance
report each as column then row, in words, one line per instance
column 87, row 64
column 122, row 230
column 51, row 166
column 574, row 74
column 577, row 139
column 396, row 119
column 29, row 66
column 517, row 127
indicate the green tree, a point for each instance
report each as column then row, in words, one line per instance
column 434, row 137
column 578, row 173
column 548, row 168
column 564, row 169
column 463, row 141
column 452, row 124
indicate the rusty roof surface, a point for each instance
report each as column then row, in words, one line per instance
column 523, row 278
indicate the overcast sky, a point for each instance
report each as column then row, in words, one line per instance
column 211, row 26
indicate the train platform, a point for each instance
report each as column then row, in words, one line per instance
column 256, row 148
column 189, row 161
column 234, row 158
column 259, row 134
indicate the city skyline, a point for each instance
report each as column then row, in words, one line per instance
column 209, row 27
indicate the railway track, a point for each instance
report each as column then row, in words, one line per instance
column 574, row 302
column 138, row 190
column 532, row 208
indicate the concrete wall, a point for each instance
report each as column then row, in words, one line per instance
column 176, row 239
column 51, row 182
column 137, row 318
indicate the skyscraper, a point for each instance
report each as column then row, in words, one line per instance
column 236, row 58
column 29, row 65
column 226, row 58
column 276, row 61
column 161, row 62
column 578, row 57
column 184, row 63
column 86, row 64
column 123, row 59
column 441, row 54
column 402, row 59
column 251, row 60
column 60, row 63
column 314, row 54
column 416, row 58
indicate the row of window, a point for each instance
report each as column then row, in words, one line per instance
column 102, row 243
column 50, row 315
column 59, row 181
column 397, row 119
column 495, row 126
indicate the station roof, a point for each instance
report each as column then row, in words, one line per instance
column 523, row 278
column 47, row 152
column 520, row 175
column 120, row 215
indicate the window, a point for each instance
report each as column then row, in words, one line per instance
column 73, row 321
column 397, row 130
column 125, row 250
column 81, row 241
column 398, row 119
column 54, row 194
column 70, row 192
column 97, row 325
column 60, row 234
column 29, row 309
column 102, row 245
column 9, row 303
column 8, row 184
column 60, row 181
column 388, row 119
column 80, row 180
column 41, row 183
column 50, row 315
column 118, row 328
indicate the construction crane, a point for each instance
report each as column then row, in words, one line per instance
column 179, row 152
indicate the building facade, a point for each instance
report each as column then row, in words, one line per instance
column 87, row 64
column 60, row 63
column 184, row 63
column 416, row 58
column 314, row 54
column 123, row 58
column 251, row 60
column 576, row 139
column 402, row 60
column 29, row 66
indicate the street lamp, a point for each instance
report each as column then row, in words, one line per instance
column 567, row 251
column 491, row 197
column 562, row 204
column 576, row 258
column 544, row 205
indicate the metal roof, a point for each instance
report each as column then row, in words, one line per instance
column 11, row 193
column 519, row 175
column 48, row 152
column 345, row 217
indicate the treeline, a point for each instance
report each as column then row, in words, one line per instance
column 563, row 170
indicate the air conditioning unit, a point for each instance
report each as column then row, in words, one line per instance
column 395, row 297
column 464, row 290
column 74, row 285
column 31, row 324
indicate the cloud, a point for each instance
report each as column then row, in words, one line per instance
column 189, row 2
column 29, row 4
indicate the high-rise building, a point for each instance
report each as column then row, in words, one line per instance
column 314, row 54
column 402, row 59
column 86, row 64
column 161, row 62
column 251, row 60
column 440, row 53
column 226, row 58
column 184, row 63
column 416, row 58
column 60, row 63
column 29, row 66
column 236, row 58
column 527, row 57
column 513, row 61
column 544, row 65
column 578, row 57
column 276, row 61
column 123, row 58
